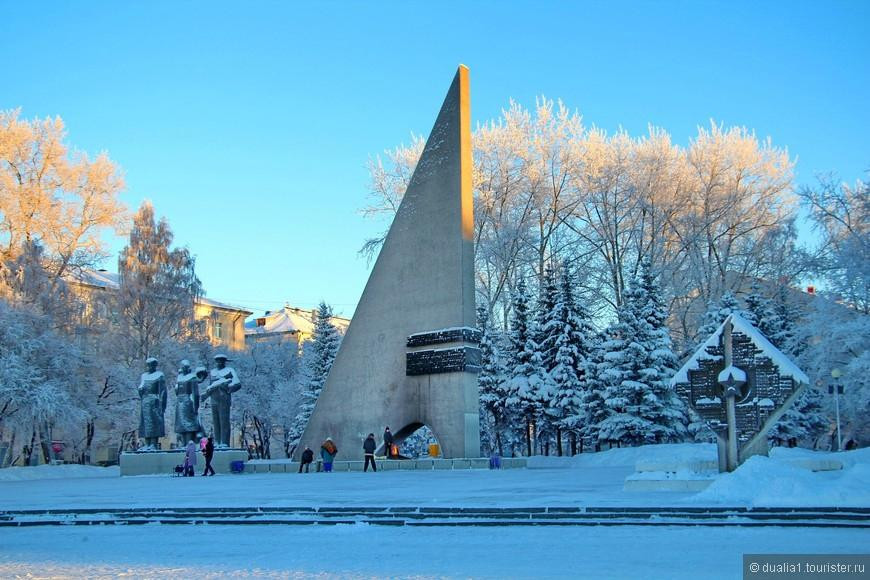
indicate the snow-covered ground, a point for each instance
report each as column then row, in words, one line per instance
column 593, row 479
column 67, row 472
column 361, row 550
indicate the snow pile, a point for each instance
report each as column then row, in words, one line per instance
column 772, row 482
column 847, row 458
column 57, row 472
column 629, row 456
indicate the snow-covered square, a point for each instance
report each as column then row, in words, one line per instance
column 446, row 529
column 587, row 282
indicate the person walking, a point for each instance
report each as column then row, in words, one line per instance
column 369, row 447
column 388, row 443
column 190, row 459
column 307, row 458
column 208, row 451
column 328, row 451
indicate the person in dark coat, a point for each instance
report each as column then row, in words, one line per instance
column 388, row 443
column 328, row 451
column 369, row 447
column 307, row 458
column 209, row 453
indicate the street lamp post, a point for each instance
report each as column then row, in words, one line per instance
column 837, row 389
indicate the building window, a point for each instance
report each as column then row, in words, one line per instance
column 261, row 322
column 218, row 330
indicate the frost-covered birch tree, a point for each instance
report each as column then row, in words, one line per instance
column 158, row 287
column 53, row 195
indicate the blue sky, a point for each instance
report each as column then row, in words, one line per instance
column 249, row 124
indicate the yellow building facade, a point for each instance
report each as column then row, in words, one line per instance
column 223, row 324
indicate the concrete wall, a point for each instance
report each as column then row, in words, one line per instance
column 164, row 462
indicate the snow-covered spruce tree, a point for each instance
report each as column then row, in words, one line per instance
column 528, row 383
column 574, row 340
column 775, row 318
column 594, row 409
column 784, row 337
column 638, row 364
column 318, row 357
column 759, row 310
column 717, row 312
column 802, row 423
column 158, row 287
column 661, row 363
column 492, row 386
column 546, row 333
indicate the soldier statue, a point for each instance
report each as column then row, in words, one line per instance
column 187, row 425
column 224, row 382
column 152, row 392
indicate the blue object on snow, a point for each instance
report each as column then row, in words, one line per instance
column 237, row 466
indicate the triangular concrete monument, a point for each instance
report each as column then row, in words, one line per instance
column 410, row 357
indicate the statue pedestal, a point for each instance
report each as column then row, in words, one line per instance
column 164, row 462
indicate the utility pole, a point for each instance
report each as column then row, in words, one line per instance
column 837, row 389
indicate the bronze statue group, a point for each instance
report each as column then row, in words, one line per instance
column 223, row 382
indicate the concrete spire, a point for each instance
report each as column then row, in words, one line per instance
column 410, row 356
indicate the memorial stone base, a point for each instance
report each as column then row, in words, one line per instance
column 692, row 475
column 164, row 462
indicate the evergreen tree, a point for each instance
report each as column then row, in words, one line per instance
column 528, row 382
column 574, row 341
column 758, row 309
column 547, row 333
column 773, row 318
column 637, row 367
column 492, row 386
column 547, row 329
column 784, row 336
column 717, row 312
column 661, row 361
column 803, row 422
column 609, row 362
column 318, row 357
column 594, row 409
